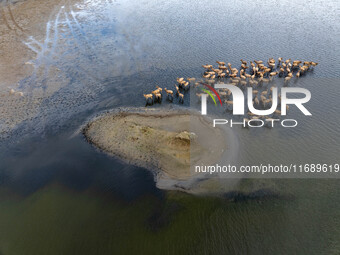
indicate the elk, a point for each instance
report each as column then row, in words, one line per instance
column 169, row 92
column 243, row 62
column 160, row 89
column 148, row 98
column 207, row 66
column 181, row 97
column 156, row 91
column 158, row 96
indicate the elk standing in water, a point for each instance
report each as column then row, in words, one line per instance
column 181, row 97
column 148, row 98
column 169, row 94
column 158, row 96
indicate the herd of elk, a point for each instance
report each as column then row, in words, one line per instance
column 253, row 74
column 181, row 86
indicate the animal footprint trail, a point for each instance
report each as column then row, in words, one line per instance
column 15, row 26
column 12, row 17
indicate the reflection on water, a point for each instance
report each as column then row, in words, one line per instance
column 99, row 55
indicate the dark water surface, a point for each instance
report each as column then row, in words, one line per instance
column 58, row 195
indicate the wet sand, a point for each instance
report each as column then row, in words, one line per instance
column 28, row 33
column 166, row 142
column 21, row 21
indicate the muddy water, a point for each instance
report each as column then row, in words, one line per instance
column 86, row 57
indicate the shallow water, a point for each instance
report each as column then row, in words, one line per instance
column 107, row 54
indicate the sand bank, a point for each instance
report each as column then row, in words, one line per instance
column 167, row 142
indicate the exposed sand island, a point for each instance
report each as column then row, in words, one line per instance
column 167, row 142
